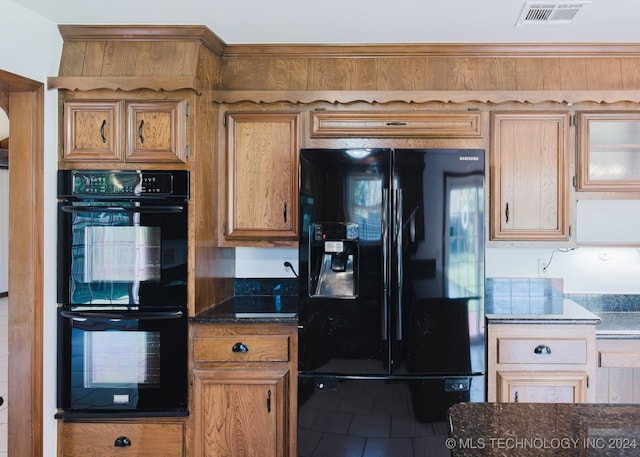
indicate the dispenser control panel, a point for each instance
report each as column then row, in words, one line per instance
column 328, row 231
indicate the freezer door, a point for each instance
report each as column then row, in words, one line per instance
column 438, row 319
column 342, row 329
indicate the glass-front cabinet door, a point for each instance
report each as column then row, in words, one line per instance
column 609, row 151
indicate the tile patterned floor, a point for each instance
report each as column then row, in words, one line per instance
column 360, row 420
column 4, row 365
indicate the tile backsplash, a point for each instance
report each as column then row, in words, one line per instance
column 545, row 295
column 265, row 286
column 523, row 295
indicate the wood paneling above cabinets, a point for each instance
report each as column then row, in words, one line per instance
column 432, row 72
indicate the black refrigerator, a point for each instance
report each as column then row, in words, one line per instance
column 391, row 312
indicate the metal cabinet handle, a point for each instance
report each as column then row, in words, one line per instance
column 140, row 131
column 104, row 138
column 396, row 123
column 122, row 441
column 515, row 397
column 240, row 347
column 542, row 349
column 269, row 401
column 506, row 213
column 284, row 210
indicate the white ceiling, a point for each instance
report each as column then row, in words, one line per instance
column 355, row 21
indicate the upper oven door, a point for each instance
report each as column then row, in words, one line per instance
column 122, row 252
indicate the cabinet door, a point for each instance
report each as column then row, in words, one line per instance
column 92, row 131
column 156, row 131
column 529, row 176
column 542, row 387
column 240, row 413
column 609, row 154
column 262, row 173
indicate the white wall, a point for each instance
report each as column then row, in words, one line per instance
column 585, row 270
column 31, row 47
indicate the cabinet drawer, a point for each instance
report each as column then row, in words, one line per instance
column 618, row 359
column 415, row 124
column 80, row 439
column 512, row 350
column 268, row 348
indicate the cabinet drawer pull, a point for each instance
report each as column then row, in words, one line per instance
column 542, row 349
column 397, row 123
column 515, row 397
column 506, row 213
column 284, row 210
column 104, row 138
column 269, row 401
column 240, row 347
column 122, row 441
column 140, row 131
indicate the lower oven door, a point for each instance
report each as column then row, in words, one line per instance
column 122, row 360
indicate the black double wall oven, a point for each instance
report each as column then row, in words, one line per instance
column 122, row 292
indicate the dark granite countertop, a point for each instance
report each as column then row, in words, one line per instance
column 543, row 429
column 252, row 308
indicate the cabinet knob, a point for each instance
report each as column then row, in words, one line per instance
column 122, row 441
column 240, row 347
column 542, row 349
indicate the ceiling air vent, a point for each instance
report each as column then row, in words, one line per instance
column 550, row 13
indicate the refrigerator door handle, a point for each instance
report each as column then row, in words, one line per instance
column 399, row 269
column 385, row 264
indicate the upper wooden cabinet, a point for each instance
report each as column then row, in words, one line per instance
column 390, row 124
column 125, row 130
column 262, row 178
column 609, row 154
column 529, row 163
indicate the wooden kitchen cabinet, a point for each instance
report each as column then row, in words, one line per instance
column 541, row 363
column 122, row 438
column 609, row 149
column 395, row 124
column 244, row 390
column 262, row 179
column 529, row 162
column 618, row 372
column 138, row 131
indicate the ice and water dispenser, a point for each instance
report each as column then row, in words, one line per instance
column 333, row 259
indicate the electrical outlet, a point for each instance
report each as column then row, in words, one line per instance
column 543, row 268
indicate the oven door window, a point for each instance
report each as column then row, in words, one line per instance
column 123, row 253
column 121, row 359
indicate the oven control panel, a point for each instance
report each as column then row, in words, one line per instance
column 124, row 183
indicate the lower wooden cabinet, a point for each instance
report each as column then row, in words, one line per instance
column 122, row 438
column 541, row 387
column 537, row 363
column 618, row 373
column 240, row 413
column 244, row 389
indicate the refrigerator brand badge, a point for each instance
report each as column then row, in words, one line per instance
column 469, row 158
